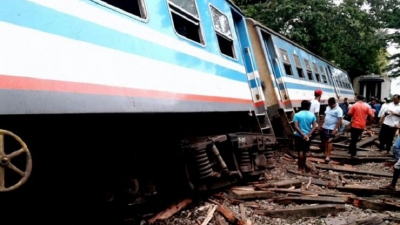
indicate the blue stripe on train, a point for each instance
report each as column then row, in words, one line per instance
column 290, row 85
column 47, row 20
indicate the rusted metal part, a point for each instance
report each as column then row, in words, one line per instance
column 5, row 162
column 226, row 157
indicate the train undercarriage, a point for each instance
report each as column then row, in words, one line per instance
column 106, row 167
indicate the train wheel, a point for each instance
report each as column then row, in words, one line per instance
column 5, row 162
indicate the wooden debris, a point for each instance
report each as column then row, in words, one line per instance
column 344, row 169
column 251, row 205
column 246, row 188
column 309, row 183
column 300, row 192
column 359, row 177
column 319, row 182
column 367, row 204
column 251, row 194
column 228, row 214
column 242, row 212
column 310, row 199
column 281, row 184
column 304, row 211
column 171, row 210
column 320, row 160
column 367, row 141
column 374, row 220
column 306, row 174
column 367, row 191
column 219, row 220
column 209, row 214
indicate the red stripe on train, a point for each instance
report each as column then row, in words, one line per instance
column 34, row 84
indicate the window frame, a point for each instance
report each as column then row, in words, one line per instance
column 203, row 42
column 234, row 50
column 125, row 13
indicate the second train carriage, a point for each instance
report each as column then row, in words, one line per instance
column 289, row 74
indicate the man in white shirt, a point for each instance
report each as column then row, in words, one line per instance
column 382, row 112
column 315, row 104
column 390, row 124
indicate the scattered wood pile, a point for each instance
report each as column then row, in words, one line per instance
column 340, row 192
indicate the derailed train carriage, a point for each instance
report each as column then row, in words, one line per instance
column 290, row 74
column 114, row 103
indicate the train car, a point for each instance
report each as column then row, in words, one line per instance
column 373, row 85
column 290, row 73
column 109, row 100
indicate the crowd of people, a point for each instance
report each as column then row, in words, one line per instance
column 358, row 116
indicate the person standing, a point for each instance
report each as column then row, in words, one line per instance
column 390, row 124
column 315, row 104
column 384, row 107
column 395, row 177
column 331, row 124
column 359, row 112
column 344, row 106
column 305, row 124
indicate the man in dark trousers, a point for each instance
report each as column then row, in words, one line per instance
column 305, row 124
column 359, row 113
column 396, row 174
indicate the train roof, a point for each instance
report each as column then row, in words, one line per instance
column 256, row 23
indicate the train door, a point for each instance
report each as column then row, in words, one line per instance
column 251, row 71
column 277, row 72
column 334, row 82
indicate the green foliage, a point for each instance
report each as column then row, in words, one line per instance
column 345, row 33
column 387, row 12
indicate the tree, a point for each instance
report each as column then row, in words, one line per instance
column 387, row 12
column 344, row 33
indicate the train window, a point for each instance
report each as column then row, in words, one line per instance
column 316, row 72
column 286, row 62
column 299, row 68
column 186, row 20
column 223, row 32
column 324, row 79
column 135, row 7
column 309, row 72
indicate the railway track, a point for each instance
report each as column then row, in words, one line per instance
column 348, row 189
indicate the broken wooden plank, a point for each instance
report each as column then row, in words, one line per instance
column 319, row 182
column 320, row 160
column 281, row 184
column 209, row 215
column 237, row 194
column 374, row 220
column 367, row 204
column 310, row 200
column 366, row 191
column 242, row 212
column 359, row 177
column 171, row 210
column 367, row 140
column 219, row 220
column 229, row 215
column 307, row 174
column 343, row 169
column 300, row 192
column 304, row 211
column 251, row 205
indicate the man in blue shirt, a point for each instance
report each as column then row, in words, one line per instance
column 332, row 121
column 344, row 106
column 305, row 124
